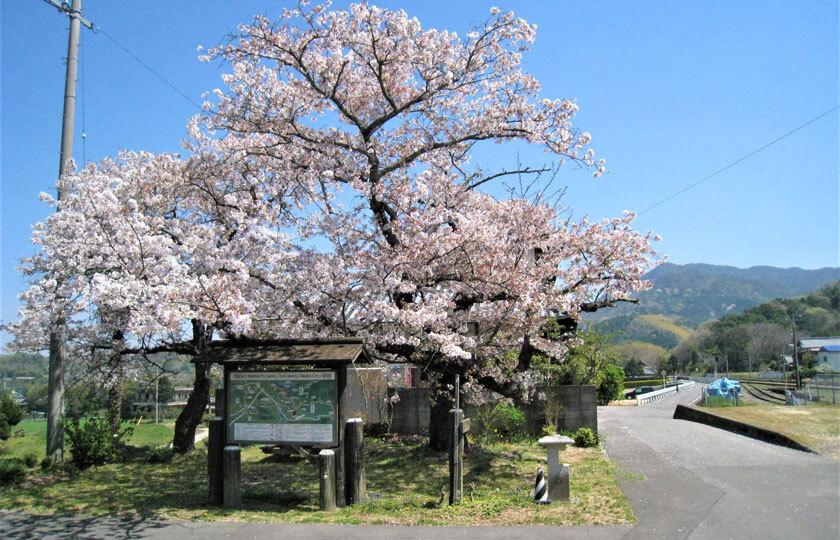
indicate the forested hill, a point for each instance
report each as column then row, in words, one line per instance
column 694, row 293
column 763, row 332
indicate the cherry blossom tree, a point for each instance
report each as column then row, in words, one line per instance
column 331, row 191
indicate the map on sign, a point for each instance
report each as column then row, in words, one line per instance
column 282, row 406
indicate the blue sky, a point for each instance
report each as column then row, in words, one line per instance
column 671, row 92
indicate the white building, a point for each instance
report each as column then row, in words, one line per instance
column 829, row 354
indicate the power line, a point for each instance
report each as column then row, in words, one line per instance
column 145, row 65
column 739, row 160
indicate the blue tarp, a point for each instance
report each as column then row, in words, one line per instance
column 723, row 387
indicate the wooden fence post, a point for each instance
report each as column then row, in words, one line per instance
column 216, row 444
column 220, row 402
column 355, row 483
column 456, row 456
column 326, row 497
column 232, row 483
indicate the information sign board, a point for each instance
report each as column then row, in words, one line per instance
column 282, row 407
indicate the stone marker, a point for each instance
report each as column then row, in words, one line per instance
column 558, row 474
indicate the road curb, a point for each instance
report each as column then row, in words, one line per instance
column 693, row 414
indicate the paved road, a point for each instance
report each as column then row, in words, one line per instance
column 683, row 480
column 702, row 482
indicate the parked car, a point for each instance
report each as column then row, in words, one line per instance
column 636, row 392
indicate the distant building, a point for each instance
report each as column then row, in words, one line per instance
column 830, row 355
column 814, row 344
column 145, row 400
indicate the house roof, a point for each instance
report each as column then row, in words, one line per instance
column 814, row 344
column 292, row 351
column 830, row 348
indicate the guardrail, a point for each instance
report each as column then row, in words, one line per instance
column 650, row 397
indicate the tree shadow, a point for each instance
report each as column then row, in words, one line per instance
column 19, row 525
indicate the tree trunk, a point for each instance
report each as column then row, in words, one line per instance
column 190, row 417
column 115, row 397
column 442, row 402
column 55, row 392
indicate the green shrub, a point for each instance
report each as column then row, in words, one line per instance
column 12, row 471
column 47, row 463
column 629, row 385
column 93, row 442
column 158, row 454
column 494, row 421
column 511, row 420
column 10, row 410
column 30, row 459
column 584, row 438
column 610, row 384
column 5, row 429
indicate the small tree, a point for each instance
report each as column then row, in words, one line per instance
column 93, row 442
column 634, row 368
column 610, row 384
column 10, row 415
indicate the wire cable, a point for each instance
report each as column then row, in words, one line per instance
column 145, row 65
column 739, row 160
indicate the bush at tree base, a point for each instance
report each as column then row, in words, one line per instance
column 93, row 442
column 584, row 438
column 12, row 471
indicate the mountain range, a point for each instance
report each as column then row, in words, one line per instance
column 685, row 296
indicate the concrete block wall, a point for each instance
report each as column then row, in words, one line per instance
column 579, row 409
column 411, row 412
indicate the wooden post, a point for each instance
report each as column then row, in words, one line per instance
column 215, row 446
column 354, row 461
column 232, row 482
column 343, row 402
column 326, row 498
column 456, row 456
column 220, row 402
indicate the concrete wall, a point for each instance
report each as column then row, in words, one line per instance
column 578, row 409
column 411, row 412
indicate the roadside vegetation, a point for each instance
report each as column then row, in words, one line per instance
column 405, row 480
column 815, row 425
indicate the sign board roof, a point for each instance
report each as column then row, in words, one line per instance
column 292, row 351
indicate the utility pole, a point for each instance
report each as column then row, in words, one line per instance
column 58, row 332
column 795, row 352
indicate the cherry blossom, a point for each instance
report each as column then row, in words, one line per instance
column 328, row 190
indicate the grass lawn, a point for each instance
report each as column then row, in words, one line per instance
column 404, row 484
column 816, row 425
column 35, row 440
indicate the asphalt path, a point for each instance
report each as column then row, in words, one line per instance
column 689, row 480
column 683, row 480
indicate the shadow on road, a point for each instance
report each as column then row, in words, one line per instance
column 15, row 525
